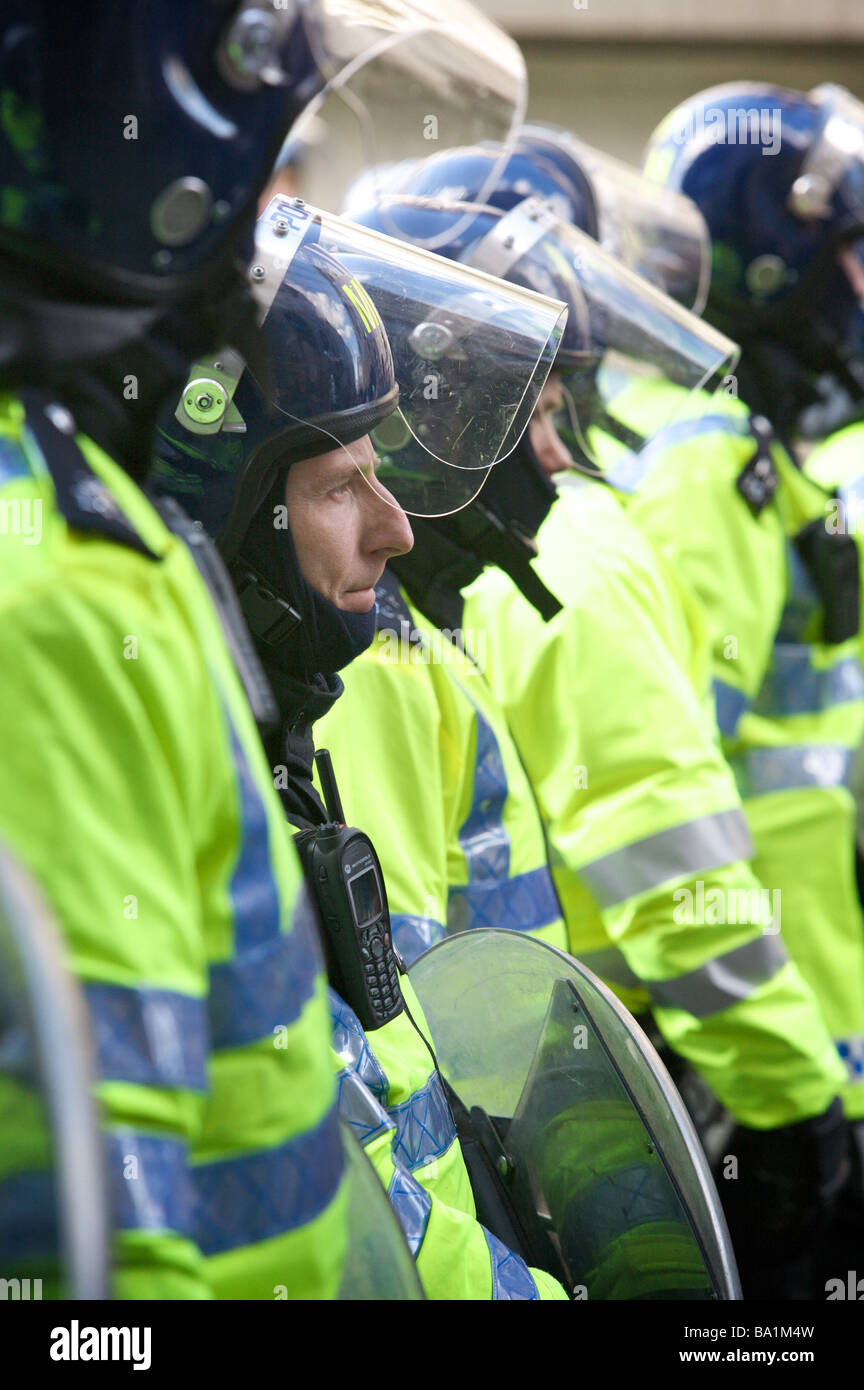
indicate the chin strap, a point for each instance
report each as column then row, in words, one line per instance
column 270, row 619
column 497, row 528
column 512, row 549
column 440, row 567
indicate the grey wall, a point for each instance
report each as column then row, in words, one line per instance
column 614, row 94
column 806, row 21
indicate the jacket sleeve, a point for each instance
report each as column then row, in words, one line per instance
column 119, row 793
column 647, row 827
column 89, row 803
column 690, row 508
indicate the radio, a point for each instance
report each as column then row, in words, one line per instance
column 344, row 876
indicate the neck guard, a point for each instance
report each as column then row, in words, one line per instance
column 295, row 629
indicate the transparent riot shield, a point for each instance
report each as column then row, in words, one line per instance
column 378, row 1264
column 598, row 1162
column 53, row 1213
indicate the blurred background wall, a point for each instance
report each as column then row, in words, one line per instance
column 611, row 69
column 614, row 94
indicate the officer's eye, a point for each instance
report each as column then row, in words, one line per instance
column 342, row 486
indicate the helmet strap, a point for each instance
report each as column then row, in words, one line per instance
column 497, row 528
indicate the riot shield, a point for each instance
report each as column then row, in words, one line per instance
column 378, row 1264
column 53, row 1214
column 598, row 1163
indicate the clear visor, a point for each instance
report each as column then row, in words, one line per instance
column 386, row 466
column 470, row 353
column 643, row 355
column 403, row 74
column 835, row 161
column 659, row 233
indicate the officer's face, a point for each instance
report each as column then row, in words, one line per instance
column 550, row 449
column 344, row 530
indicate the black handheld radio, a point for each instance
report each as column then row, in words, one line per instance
column 344, row 875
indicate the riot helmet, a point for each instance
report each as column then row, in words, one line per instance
column 141, row 171
column 640, row 337
column 342, row 370
column 779, row 178
column 619, row 329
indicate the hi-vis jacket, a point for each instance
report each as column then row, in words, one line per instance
column 391, row 1095
column 436, row 780
column 134, row 787
column 790, row 704
column 837, row 465
column 650, row 848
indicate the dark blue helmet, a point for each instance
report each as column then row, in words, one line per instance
column 331, row 381
column 462, row 175
column 470, row 227
column 779, row 178
column 620, row 330
column 658, row 234
column 136, row 137
column 499, row 524
column 546, row 147
column 358, row 328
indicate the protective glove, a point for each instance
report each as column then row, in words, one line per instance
column 841, row 1249
column 780, row 1205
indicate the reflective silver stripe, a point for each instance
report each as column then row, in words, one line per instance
column 512, row 1280
column 610, row 965
column 629, row 472
column 724, row 981
column 413, row 1206
column 794, row 685
column 766, row 770
column 414, row 935
column 685, row 850
column 360, row 1109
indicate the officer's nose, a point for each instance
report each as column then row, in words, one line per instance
column 551, row 451
column 388, row 527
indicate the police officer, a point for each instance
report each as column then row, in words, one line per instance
column 743, row 586
column 619, row 869
column 787, row 282
column 133, row 782
column 308, row 528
